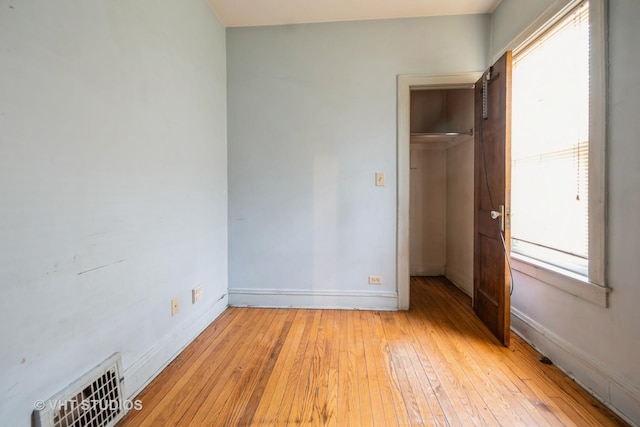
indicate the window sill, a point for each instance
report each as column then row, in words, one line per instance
column 566, row 281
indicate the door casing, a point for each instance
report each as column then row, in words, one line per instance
column 406, row 83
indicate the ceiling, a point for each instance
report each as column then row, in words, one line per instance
column 243, row 13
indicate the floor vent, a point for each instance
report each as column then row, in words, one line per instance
column 94, row 400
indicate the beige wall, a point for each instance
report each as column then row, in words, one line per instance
column 459, row 230
column 449, row 110
column 459, row 110
column 441, row 210
column 427, row 210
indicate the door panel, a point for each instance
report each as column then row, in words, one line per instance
column 491, row 278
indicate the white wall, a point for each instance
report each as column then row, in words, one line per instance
column 113, row 187
column 598, row 346
column 312, row 117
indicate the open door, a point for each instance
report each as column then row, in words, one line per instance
column 492, row 201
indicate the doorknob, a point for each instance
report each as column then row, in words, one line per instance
column 499, row 215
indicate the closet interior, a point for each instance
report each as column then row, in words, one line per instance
column 442, row 189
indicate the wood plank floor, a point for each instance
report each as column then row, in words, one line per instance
column 433, row 365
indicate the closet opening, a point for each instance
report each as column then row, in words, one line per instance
column 441, row 189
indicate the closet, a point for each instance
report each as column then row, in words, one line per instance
column 441, row 192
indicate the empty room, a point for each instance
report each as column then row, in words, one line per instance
column 338, row 213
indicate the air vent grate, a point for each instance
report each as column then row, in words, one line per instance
column 94, row 400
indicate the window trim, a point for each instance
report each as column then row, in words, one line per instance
column 567, row 281
column 594, row 288
column 597, row 140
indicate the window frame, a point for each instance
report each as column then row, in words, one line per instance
column 594, row 287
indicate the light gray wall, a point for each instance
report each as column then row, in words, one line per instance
column 600, row 346
column 511, row 17
column 312, row 117
column 113, row 184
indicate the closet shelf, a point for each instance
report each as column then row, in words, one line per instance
column 441, row 134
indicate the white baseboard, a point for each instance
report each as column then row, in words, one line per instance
column 612, row 390
column 293, row 298
column 145, row 369
column 463, row 282
column 426, row 270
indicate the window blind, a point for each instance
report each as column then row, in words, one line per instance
column 550, row 147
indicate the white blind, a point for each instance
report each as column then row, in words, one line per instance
column 550, row 130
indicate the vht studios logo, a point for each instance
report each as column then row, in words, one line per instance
column 88, row 404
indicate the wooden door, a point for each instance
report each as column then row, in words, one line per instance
column 491, row 278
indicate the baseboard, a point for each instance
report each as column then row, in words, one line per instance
column 463, row 282
column 293, row 298
column 427, row 270
column 145, row 369
column 612, row 390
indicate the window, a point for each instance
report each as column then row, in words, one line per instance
column 558, row 146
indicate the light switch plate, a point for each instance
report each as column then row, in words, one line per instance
column 196, row 294
column 379, row 179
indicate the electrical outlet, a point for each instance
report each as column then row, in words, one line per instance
column 196, row 293
column 379, row 179
column 175, row 306
column 375, row 280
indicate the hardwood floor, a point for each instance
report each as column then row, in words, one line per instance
column 433, row 365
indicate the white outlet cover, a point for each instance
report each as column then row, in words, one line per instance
column 375, row 280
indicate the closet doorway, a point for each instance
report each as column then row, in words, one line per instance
column 435, row 180
column 441, row 163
